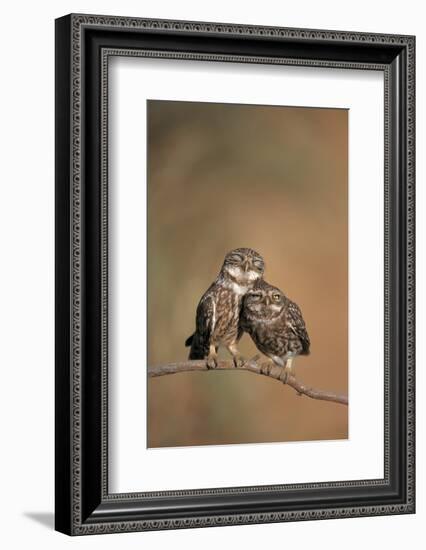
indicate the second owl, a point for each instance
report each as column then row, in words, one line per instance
column 275, row 325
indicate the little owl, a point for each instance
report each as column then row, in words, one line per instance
column 275, row 325
column 218, row 313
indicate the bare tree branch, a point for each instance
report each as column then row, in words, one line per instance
column 266, row 369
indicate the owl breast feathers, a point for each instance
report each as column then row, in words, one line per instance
column 274, row 322
column 218, row 312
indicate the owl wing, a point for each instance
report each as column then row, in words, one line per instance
column 296, row 323
column 204, row 321
column 205, row 317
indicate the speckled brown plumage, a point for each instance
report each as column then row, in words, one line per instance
column 275, row 324
column 218, row 312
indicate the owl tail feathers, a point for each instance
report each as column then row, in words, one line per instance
column 197, row 351
column 188, row 341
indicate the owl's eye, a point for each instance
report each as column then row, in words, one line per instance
column 256, row 296
column 236, row 258
column 276, row 297
column 258, row 265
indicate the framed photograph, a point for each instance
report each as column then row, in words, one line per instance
column 234, row 274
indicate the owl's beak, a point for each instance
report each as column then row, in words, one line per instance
column 246, row 266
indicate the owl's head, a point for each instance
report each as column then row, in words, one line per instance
column 264, row 301
column 245, row 266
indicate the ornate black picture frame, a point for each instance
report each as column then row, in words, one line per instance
column 83, row 45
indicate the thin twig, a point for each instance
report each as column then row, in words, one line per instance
column 266, row 369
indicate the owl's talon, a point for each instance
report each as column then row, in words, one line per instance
column 239, row 361
column 287, row 373
column 211, row 362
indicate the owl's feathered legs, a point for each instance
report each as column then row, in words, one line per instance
column 211, row 360
column 289, row 368
column 236, row 355
column 286, row 363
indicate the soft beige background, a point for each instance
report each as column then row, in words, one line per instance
column 274, row 179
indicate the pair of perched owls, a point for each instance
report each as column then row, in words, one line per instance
column 240, row 300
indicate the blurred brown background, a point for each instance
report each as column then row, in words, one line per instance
column 274, row 179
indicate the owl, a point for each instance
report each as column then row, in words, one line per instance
column 218, row 313
column 275, row 325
